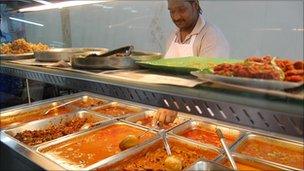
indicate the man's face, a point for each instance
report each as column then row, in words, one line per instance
column 183, row 13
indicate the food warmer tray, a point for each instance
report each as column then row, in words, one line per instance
column 191, row 124
column 59, row 162
column 128, row 155
column 81, row 61
column 15, row 110
column 58, row 54
column 284, row 141
column 45, row 123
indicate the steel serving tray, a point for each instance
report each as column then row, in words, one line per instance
column 249, row 161
column 286, row 143
column 134, row 108
column 248, row 82
column 149, row 114
column 16, row 56
column 57, row 54
column 80, row 134
column 209, row 127
column 20, row 115
column 19, row 109
column 115, row 160
column 45, row 123
column 83, row 61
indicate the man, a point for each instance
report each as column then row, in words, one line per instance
column 194, row 36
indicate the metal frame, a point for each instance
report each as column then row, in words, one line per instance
column 275, row 114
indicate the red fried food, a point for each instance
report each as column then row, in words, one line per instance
column 299, row 65
column 295, row 78
column 294, row 72
column 34, row 137
column 262, row 67
column 249, row 70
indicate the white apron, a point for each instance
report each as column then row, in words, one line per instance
column 177, row 50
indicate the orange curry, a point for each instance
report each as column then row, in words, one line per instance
column 204, row 135
column 153, row 157
column 93, row 147
column 33, row 115
column 116, row 110
column 88, row 102
column 275, row 152
column 147, row 121
column 247, row 166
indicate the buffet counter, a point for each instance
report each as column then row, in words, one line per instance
column 64, row 133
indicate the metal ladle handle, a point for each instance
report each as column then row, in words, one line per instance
column 163, row 134
column 223, row 142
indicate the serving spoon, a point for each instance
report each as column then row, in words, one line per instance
column 223, row 142
column 172, row 162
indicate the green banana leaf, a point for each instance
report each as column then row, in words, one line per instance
column 186, row 64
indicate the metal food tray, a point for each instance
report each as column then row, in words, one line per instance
column 57, row 54
column 260, row 164
column 80, row 61
column 248, row 82
column 24, row 109
column 80, row 134
column 15, row 110
column 130, row 106
column 145, row 56
column 150, row 113
column 112, row 161
column 238, row 134
column 16, row 56
column 287, row 143
column 45, row 123
column 207, row 166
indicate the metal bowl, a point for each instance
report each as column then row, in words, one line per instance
column 84, row 61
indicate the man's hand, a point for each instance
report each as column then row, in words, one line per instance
column 165, row 116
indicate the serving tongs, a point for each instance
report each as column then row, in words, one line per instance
column 123, row 51
column 224, row 144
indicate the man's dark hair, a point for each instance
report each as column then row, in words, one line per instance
column 197, row 2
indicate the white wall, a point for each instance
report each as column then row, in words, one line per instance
column 251, row 27
column 50, row 33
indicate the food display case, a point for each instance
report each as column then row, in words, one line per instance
column 54, row 143
column 256, row 101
